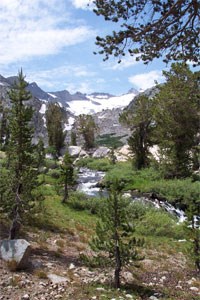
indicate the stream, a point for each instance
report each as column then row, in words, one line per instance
column 88, row 180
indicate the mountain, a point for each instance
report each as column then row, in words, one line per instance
column 37, row 92
column 105, row 108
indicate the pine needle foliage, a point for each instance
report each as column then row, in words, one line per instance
column 114, row 238
column 21, row 176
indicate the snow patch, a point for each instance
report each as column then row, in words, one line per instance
column 70, row 124
column 52, row 95
column 78, row 107
column 43, row 108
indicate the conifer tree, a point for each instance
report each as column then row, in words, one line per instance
column 193, row 231
column 87, row 128
column 21, row 175
column 56, row 135
column 151, row 29
column 177, row 119
column 115, row 233
column 40, row 154
column 139, row 118
column 73, row 138
column 67, row 175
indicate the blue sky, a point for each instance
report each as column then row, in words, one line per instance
column 54, row 40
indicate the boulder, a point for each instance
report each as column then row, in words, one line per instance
column 101, row 152
column 55, row 279
column 125, row 151
column 74, row 151
column 83, row 153
column 16, row 253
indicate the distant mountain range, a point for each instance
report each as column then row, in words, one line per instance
column 105, row 107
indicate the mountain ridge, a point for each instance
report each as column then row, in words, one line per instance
column 105, row 108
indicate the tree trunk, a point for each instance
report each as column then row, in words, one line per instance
column 117, row 266
column 196, row 243
column 15, row 227
column 66, row 194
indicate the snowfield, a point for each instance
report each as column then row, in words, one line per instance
column 97, row 104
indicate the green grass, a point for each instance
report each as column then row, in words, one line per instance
column 110, row 140
column 150, row 180
column 100, row 164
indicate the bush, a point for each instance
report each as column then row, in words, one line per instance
column 55, row 173
column 159, row 223
column 177, row 190
column 122, row 172
column 80, row 201
column 100, row 164
column 51, row 164
column 110, row 140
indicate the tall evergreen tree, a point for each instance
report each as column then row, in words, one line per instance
column 67, row 175
column 87, row 128
column 140, row 120
column 21, row 176
column 56, row 135
column 177, row 119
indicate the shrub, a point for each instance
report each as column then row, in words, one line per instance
column 100, row 164
column 110, row 140
column 159, row 223
column 80, row 201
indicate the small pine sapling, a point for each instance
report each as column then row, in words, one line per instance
column 114, row 238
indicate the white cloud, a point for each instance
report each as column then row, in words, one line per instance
column 83, row 87
column 76, row 73
column 146, row 80
column 126, row 62
column 36, row 28
column 83, row 4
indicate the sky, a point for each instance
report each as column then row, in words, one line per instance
column 53, row 42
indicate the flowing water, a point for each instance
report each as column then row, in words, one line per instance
column 88, row 183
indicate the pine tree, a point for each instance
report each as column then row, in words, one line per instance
column 151, row 29
column 73, row 138
column 192, row 230
column 56, row 135
column 40, row 154
column 115, row 233
column 21, row 175
column 67, row 175
column 139, row 118
column 177, row 119
column 87, row 127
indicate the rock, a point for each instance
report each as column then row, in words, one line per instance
column 16, row 253
column 101, row 152
column 25, row 297
column 74, row 151
column 194, row 288
column 153, row 298
column 124, row 150
column 123, row 153
column 129, row 296
column 100, row 289
column 191, row 281
column 83, row 153
column 55, row 279
column 71, row 266
column 128, row 277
